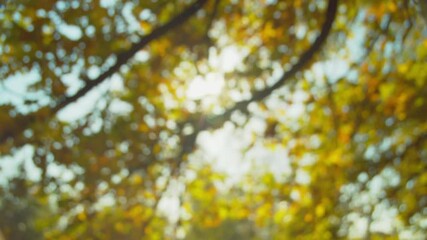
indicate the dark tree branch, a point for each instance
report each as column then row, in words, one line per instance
column 218, row 120
column 23, row 121
column 189, row 141
column 124, row 57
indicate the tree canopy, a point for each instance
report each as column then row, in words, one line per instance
column 214, row 119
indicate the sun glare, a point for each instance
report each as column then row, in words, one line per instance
column 209, row 85
column 212, row 83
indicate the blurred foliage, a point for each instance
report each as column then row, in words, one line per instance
column 126, row 160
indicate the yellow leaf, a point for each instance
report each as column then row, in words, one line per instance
column 403, row 68
column 320, row 210
column 143, row 127
column 81, row 216
column 120, row 227
column 146, row 27
column 308, row 217
column 223, row 213
column 392, row 6
column 279, row 216
column 157, row 149
column 137, row 179
column 386, row 90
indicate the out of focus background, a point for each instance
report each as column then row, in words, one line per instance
column 213, row 119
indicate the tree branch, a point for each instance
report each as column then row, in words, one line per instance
column 189, row 141
column 218, row 120
column 21, row 122
column 124, row 57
